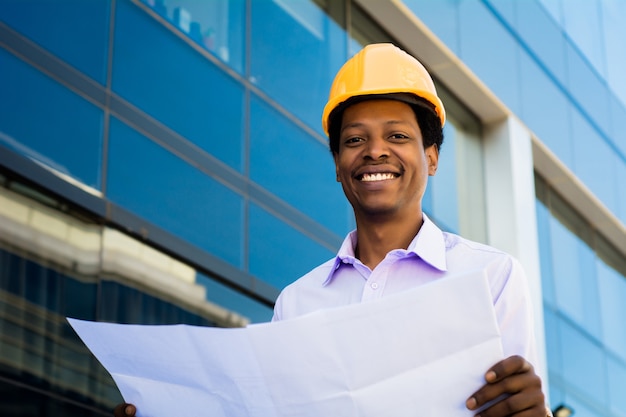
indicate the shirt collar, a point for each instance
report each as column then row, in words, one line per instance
column 429, row 245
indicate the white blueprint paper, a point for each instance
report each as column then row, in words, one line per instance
column 419, row 353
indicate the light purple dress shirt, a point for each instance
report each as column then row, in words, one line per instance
column 432, row 255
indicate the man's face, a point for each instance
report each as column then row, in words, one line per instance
column 382, row 164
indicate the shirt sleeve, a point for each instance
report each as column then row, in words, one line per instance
column 514, row 314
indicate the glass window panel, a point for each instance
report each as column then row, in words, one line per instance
column 160, row 187
column 542, row 35
column 231, row 299
column 279, row 254
column 296, row 167
column 216, row 25
column 595, row 163
column 583, row 24
column 159, row 73
column 621, row 190
column 41, row 286
column 554, row 7
column 553, row 343
column 543, row 234
column 76, row 31
column 613, row 307
column 490, row 51
column 575, row 278
column 79, row 299
column 444, row 190
column 47, row 122
column 296, row 51
column 586, row 86
column 584, row 364
column 540, row 97
column 618, row 115
column 617, row 382
column 613, row 14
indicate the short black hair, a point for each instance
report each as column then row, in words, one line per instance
column 427, row 118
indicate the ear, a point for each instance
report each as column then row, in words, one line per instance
column 335, row 158
column 432, row 158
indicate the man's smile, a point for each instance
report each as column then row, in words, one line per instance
column 377, row 176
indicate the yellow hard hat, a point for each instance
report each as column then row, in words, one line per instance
column 381, row 68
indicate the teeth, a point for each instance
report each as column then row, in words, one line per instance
column 378, row 176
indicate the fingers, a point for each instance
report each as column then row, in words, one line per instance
column 124, row 410
column 509, row 366
column 515, row 385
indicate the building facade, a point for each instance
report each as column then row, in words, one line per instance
column 162, row 161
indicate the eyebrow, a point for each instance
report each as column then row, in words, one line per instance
column 361, row 124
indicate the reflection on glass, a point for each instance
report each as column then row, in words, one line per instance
column 273, row 245
column 164, row 189
column 280, row 152
column 40, row 352
column 613, row 308
column 231, row 299
column 213, row 24
column 296, row 50
column 584, row 362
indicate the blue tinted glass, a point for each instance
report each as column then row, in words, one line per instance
column 45, row 121
column 594, row 162
column 42, row 286
column 215, row 25
column 614, row 35
column 618, row 115
column 553, row 347
column 583, row 24
column 490, row 51
column 76, row 31
column 279, row 254
column 617, row 382
column 545, row 254
column 441, row 17
column 587, row 88
column 621, row 191
column 575, row 278
column 162, row 75
column 545, row 109
column 613, row 307
column 296, row 51
column 79, row 299
column 160, row 187
column 584, row 364
column 443, row 186
column 542, row 35
column 226, row 297
column 296, row 167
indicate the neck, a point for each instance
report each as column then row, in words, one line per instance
column 375, row 239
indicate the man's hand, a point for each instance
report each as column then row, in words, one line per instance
column 124, row 410
column 515, row 378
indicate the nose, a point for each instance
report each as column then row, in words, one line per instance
column 377, row 148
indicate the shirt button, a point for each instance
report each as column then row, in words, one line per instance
column 374, row 285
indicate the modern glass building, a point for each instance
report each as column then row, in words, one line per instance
column 162, row 161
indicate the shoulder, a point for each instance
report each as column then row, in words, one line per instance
column 502, row 269
column 467, row 250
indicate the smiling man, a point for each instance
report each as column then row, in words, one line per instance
column 385, row 126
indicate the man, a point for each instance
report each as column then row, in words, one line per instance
column 384, row 121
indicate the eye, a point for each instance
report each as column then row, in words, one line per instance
column 398, row 137
column 353, row 140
